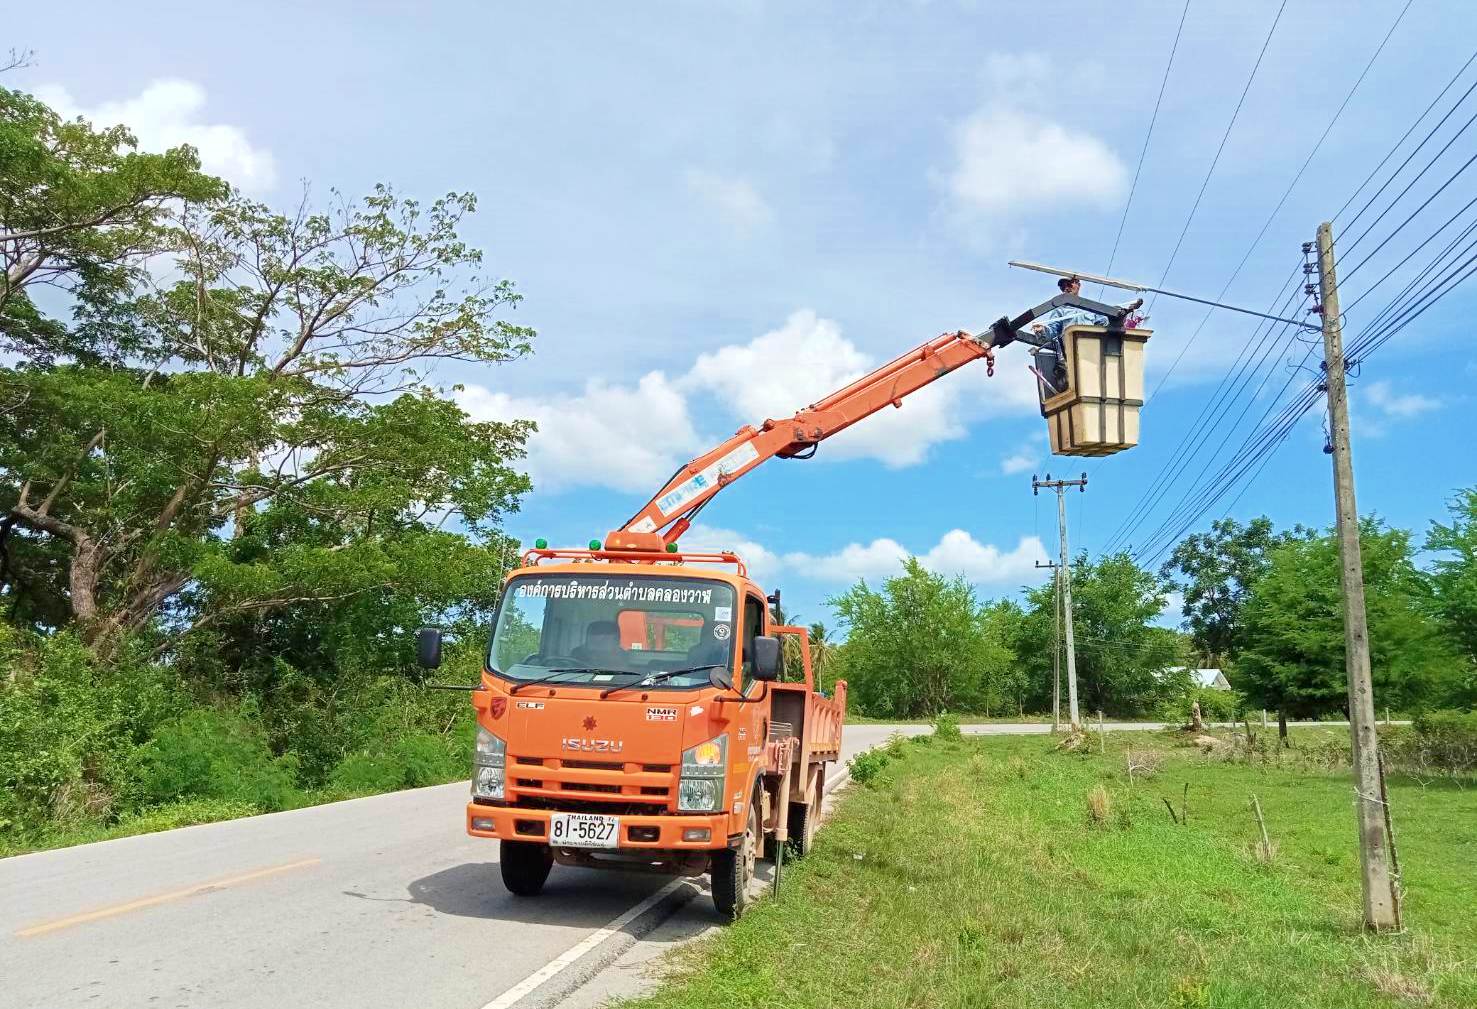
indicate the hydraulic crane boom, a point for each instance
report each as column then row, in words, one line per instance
column 670, row 512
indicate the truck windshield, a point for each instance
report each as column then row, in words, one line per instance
column 607, row 630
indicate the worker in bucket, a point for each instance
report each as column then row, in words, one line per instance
column 1058, row 319
column 1051, row 359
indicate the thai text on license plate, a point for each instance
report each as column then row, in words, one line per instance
column 584, row 830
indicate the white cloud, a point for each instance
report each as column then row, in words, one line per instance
column 956, row 553
column 790, row 368
column 762, row 562
column 1008, row 161
column 168, row 113
column 601, row 437
column 734, row 199
column 631, row 438
column 1020, row 461
column 1382, row 396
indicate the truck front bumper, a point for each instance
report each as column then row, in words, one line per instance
column 700, row 831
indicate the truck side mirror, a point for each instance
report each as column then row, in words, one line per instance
column 428, row 647
column 766, row 658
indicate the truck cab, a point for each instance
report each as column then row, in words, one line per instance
column 631, row 715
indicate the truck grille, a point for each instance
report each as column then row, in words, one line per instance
column 573, row 783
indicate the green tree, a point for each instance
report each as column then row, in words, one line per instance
column 1454, row 582
column 80, row 210
column 1004, row 683
column 914, row 648
column 1124, row 660
column 1292, row 659
column 822, row 651
column 268, row 441
column 1215, row 571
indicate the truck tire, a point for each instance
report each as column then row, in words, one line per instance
column 804, row 818
column 525, row 866
column 732, row 869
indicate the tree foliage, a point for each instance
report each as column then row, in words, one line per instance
column 1454, row 574
column 1123, row 658
column 1215, row 571
column 261, row 435
column 913, row 648
column 229, row 488
column 1292, row 655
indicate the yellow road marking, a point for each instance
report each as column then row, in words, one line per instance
column 161, row 898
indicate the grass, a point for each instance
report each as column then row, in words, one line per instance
column 998, row 871
column 853, row 718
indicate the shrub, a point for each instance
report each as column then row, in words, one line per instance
column 1215, row 706
column 214, row 754
column 946, row 727
column 1448, row 739
column 412, row 762
column 67, row 727
column 866, row 766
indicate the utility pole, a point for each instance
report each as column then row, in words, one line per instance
column 1056, row 645
column 1381, row 904
column 1064, row 572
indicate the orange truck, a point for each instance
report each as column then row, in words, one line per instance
column 635, row 709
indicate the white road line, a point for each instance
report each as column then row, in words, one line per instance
column 566, row 959
column 585, row 945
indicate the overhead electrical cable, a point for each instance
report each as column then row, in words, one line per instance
column 1338, row 114
column 1179, row 457
column 1403, row 137
column 1148, row 135
column 1236, row 112
column 1137, row 514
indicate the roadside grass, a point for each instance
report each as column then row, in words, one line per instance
column 1000, row 871
column 852, row 718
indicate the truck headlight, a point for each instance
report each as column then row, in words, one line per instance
column 489, row 765
column 700, row 787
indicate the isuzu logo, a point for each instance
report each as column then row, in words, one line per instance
column 593, row 745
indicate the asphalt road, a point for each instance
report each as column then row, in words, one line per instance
column 373, row 902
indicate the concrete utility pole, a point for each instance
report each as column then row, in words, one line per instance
column 1064, row 572
column 1381, row 904
column 1056, row 645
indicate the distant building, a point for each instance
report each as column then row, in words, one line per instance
column 1212, row 678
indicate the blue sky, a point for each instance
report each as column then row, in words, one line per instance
column 717, row 212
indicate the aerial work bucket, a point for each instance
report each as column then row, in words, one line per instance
column 1092, row 404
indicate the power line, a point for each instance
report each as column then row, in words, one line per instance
column 1409, row 185
column 1136, row 516
column 1403, row 310
column 1133, row 186
column 1417, row 210
column 1224, row 137
column 1139, row 513
column 1404, row 137
column 1411, row 255
column 1338, row 114
column 1160, row 484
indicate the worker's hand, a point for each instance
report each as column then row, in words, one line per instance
column 1136, row 304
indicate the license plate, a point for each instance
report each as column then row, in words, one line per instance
column 584, row 830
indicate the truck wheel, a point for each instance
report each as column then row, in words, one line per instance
column 525, row 866
column 732, row 869
column 804, row 818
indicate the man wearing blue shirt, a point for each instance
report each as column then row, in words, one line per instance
column 1052, row 323
column 1052, row 361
